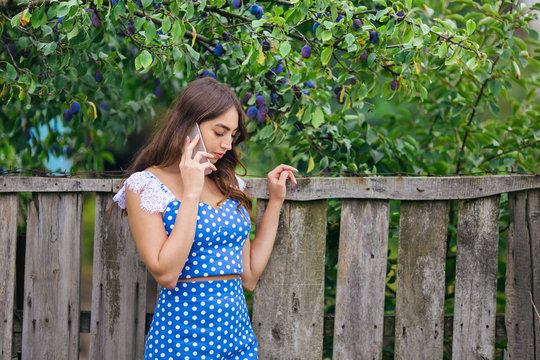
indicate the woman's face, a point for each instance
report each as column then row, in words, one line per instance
column 218, row 133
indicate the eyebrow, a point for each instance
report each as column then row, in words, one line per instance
column 225, row 127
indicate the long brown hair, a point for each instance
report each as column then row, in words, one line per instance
column 203, row 99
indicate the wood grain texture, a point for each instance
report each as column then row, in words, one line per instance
column 288, row 300
column 119, row 288
column 9, row 206
column 533, row 219
column 476, row 279
column 399, row 188
column 363, row 244
column 519, row 310
column 312, row 188
column 53, row 184
column 52, row 277
column 420, row 280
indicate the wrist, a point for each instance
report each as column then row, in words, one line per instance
column 273, row 201
column 191, row 197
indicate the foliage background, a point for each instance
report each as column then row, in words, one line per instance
column 440, row 88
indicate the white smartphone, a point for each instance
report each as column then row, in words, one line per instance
column 199, row 147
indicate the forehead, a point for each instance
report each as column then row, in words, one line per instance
column 228, row 118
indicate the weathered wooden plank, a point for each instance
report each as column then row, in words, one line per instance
column 119, row 288
column 476, row 279
column 533, row 218
column 9, row 205
column 519, row 310
column 421, row 280
column 288, row 300
column 53, row 184
column 52, row 277
column 399, row 188
column 359, row 314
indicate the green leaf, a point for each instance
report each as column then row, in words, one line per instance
column 11, row 72
column 443, row 49
column 520, row 43
column 425, row 29
column 146, row 3
column 15, row 20
column 63, row 9
column 371, row 59
column 471, row 26
column 376, row 155
column 371, row 136
column 447, row 25
column 195, row 55
column 149, row 30
column 408, row 35
column 284, row 49
column 166, row 25
column 39, row 17
column 326, row 35
column 49, row 48
column 178, row 31
column 318, row 117
column 326, row 54
column 143, row 60
column 408, row 3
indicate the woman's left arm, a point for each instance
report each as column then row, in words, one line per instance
column 255, row 255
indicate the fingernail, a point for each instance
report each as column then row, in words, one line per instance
column 187, row 138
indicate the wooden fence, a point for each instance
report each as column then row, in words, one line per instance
column 288, row 302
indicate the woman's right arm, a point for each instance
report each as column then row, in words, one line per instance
column 165, row 256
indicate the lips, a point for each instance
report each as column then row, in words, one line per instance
column 219, row 155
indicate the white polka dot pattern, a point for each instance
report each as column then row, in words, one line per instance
column 217, row 240
column 202, row 320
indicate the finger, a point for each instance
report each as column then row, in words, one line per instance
column 286, row 167
column 292, row 178
column 283, row 177
column 187, row 151
column 209, row 165
column 201, row 154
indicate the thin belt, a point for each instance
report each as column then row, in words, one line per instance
column 208, row 278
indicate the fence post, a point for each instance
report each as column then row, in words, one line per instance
column 533, row 218
column 421, row 280
column 289, row 298
column 359, row 314
column 52, row 277
column 119, row 288
column 9, row 206
column 476, row 279
column 519, row 311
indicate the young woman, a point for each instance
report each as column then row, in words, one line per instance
column 192, row 229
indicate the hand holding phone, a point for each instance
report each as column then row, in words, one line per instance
column 199, row 146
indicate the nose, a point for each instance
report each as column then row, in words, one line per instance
column 227, row 143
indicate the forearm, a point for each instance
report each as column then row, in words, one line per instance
column 175, row 250
column 262, row 244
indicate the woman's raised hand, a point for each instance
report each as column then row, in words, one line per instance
column 191, row 169
column 277, row 179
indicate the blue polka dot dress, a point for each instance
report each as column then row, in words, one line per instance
column 200, row 319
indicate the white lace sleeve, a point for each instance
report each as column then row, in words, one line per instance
column 154, row 195
column 241, row 183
